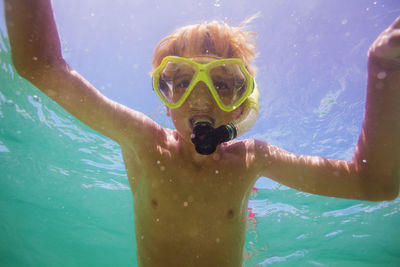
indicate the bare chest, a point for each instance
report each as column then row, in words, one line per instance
column 191, row 209
column 205, row 194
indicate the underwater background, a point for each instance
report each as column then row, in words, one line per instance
column 64, row 195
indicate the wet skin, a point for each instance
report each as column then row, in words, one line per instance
column 190, row 209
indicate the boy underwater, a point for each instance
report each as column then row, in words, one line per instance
column 197, row 173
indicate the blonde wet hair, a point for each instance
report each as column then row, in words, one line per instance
column 210, row 38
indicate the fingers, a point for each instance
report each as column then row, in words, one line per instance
column 394, row 39
column 386, row 48
column 396, row 23
column 394, row 33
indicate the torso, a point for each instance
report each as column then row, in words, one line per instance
column 188, row 213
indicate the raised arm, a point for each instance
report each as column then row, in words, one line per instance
column 36, row 54
column 377, row 155
column 374, row 172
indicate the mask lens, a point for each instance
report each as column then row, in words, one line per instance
column 174, row 80
column 229, row 82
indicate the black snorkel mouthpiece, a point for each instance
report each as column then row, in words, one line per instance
column 206, row 138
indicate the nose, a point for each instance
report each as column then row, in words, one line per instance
column 200, row 97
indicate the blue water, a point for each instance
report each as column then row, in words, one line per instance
column 64, row 195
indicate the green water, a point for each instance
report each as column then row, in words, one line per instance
column 65, row 200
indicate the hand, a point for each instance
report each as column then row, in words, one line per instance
column 385, row 50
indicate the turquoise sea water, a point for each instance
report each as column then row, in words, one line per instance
column 65, row 198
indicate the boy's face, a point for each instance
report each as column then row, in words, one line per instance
column 200, row 104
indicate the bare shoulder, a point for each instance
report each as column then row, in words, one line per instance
column 240, row 148
column 260, row 153
column 138, row 131
column 267, row 155
column 244, row 153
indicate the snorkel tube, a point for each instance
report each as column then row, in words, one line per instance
column 206, row 138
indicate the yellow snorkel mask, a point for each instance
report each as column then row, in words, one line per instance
column 230, row 84
column 228, row 80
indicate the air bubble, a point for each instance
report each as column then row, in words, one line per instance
column 381, row 75
column 216, row 171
